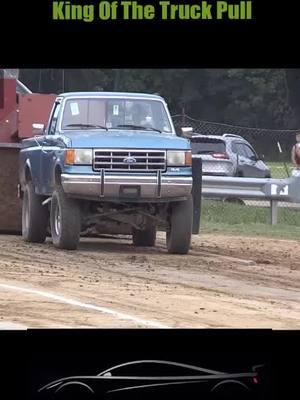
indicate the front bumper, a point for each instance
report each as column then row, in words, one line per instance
column 134, row 187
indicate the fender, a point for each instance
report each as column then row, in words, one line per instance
column 58, row 165
column 77, row 386
column 23, row 172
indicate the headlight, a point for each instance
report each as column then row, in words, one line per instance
column 79, row 156
column 179, row 158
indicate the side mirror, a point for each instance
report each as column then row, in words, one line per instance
column 38, row 129
column 187, row 132
column 261, row 157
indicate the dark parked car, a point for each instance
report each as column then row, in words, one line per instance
column 228, row 155
column 145, row 379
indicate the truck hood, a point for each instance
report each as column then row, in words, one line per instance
column 125, row 139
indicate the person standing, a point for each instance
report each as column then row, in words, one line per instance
column 296, row 156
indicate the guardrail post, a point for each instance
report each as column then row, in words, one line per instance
column 274, row 212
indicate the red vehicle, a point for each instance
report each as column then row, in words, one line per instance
column 19, row 109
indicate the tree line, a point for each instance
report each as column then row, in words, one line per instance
column 262, row 98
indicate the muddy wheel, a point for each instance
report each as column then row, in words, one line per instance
column 144, row 237
column 65, row 221
column 34, row 216
column 180, row 231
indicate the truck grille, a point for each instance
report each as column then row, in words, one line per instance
column 129, row 160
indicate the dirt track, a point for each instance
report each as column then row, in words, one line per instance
column 223, row 282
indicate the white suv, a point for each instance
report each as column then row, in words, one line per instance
column 228, row 155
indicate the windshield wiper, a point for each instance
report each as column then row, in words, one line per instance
column 87, row 126
column 146, row 128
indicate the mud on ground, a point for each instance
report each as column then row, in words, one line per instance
column 225, row 281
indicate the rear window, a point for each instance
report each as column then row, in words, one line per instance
column 206, row 146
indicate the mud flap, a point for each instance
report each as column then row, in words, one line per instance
column 10, row 204
column 197, row 193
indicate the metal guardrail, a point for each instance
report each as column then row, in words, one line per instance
column 273, row 190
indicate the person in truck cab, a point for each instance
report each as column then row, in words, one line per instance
column 140, row 116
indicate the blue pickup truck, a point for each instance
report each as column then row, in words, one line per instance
column 108, row 162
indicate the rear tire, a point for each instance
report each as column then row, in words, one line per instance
column 65, row 221
column 74, row 391
column 181, row 222
column 231, row 391
column 146, row 237
column 34, row 216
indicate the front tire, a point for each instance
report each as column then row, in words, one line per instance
column 180, row 231
column 65, row 221
column 34, row 216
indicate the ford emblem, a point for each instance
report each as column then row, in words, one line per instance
column 129, row 160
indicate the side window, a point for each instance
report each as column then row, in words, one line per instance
column 249, row 152
column 151, row 369
column 234, row 147
column 53, row 122
column 240, row 149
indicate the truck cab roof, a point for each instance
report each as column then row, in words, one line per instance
column 111, row 94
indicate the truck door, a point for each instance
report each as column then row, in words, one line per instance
column 49, row 150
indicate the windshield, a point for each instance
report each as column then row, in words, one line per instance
column 115, row 114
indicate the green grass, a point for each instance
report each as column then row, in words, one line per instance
column 278, row 169
column 236, row 219
column 221, row 217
